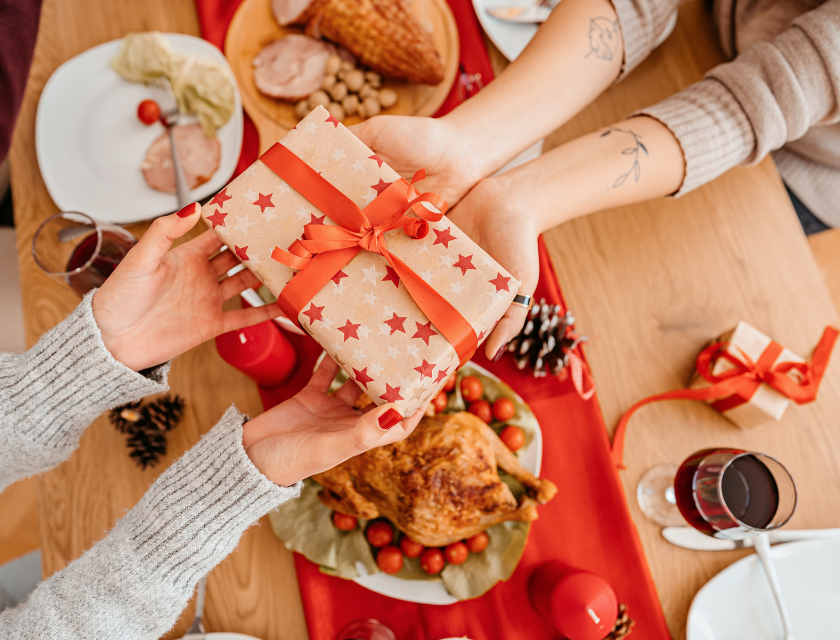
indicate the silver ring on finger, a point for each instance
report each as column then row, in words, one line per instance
column 523, row 300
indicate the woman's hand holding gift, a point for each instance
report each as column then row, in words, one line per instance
column 312, row 432
column 160, row 303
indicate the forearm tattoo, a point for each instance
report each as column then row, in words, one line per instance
column 633, row 151
column 603, row 38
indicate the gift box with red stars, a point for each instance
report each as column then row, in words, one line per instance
column 363, row 315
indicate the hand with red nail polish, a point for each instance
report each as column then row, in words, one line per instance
column 159, row 303
column 312, row 432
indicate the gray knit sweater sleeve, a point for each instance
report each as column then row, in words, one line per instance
column 772, row 93
column 137, row 580
column 51, row 393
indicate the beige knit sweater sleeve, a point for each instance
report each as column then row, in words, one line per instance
column 771, row 93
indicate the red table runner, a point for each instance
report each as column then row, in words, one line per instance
column 587, row 525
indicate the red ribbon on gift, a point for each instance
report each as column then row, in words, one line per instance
column 736, row 386
column 325, row 249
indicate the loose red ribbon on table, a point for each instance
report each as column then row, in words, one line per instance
column 736, row 386
column 328, row 248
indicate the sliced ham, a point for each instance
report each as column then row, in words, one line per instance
column 292, row 11
column 199, row 156
column 292, row 67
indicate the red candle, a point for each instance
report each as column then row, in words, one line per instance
column 580, row 604
column 261, row 352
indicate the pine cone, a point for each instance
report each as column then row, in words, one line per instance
column 546, row 340
column 165, row 412
column 124, row 417
column 623, row 625
column 383, row 34
column 147, row 444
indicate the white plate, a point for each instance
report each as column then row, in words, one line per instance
column 511, row 38
column 737, row 603
column 90, row 143
column 433, row 591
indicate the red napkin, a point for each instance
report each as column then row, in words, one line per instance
column 587, row 525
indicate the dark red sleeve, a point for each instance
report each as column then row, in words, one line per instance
column 18, row 30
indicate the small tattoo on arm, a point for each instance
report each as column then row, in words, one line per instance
column 635, row 168
column 603, row 38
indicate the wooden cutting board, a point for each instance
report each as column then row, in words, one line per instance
column 253, row 27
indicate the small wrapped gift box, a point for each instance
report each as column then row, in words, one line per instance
column 391, row 289
column 744, row 343
column 748, row 377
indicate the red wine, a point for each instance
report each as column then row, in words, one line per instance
column 749, row 491
column 747, row 487
column 114, row 248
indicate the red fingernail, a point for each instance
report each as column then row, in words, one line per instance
column 389, row 419
column 500, row 352
column 188, row 210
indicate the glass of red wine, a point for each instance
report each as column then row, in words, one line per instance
column 366, row 630
column 734, row 494
column 76, row 249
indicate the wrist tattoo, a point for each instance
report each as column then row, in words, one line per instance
column 635, row 168
column 603, row 38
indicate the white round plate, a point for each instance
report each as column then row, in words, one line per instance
column 90, row 143
column 737, row 603
column 433, row 591
column 510, row 38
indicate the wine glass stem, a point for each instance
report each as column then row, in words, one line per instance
column 762, row 548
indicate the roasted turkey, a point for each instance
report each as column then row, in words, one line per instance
column 439, row 485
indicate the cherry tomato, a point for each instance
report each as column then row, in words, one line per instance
column 478, row 542
column 481, row 408
column 513, row 437
column 344, row 522
column 380, row 533
column 148, row 112
column 449, row 387
column 440, row 401
column 471, row 388
column 456, row 553
column 390, row 559
column 432, row 561
column 503, row 409
column 410, row 548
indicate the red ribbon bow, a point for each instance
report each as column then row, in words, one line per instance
column 325, row 249
column 736, row 386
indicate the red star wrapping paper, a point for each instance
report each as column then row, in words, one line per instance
column 364, row 317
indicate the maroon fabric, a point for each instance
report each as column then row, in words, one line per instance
column 18, row 31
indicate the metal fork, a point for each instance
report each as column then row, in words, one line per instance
column 762, row 548
column 196, row 631
column 170, row 115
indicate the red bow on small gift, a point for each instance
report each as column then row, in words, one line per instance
column 325, row 249
column 736, row 386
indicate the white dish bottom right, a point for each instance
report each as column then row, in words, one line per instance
column 737, row 603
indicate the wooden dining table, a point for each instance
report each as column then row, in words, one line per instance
column 650, row 284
